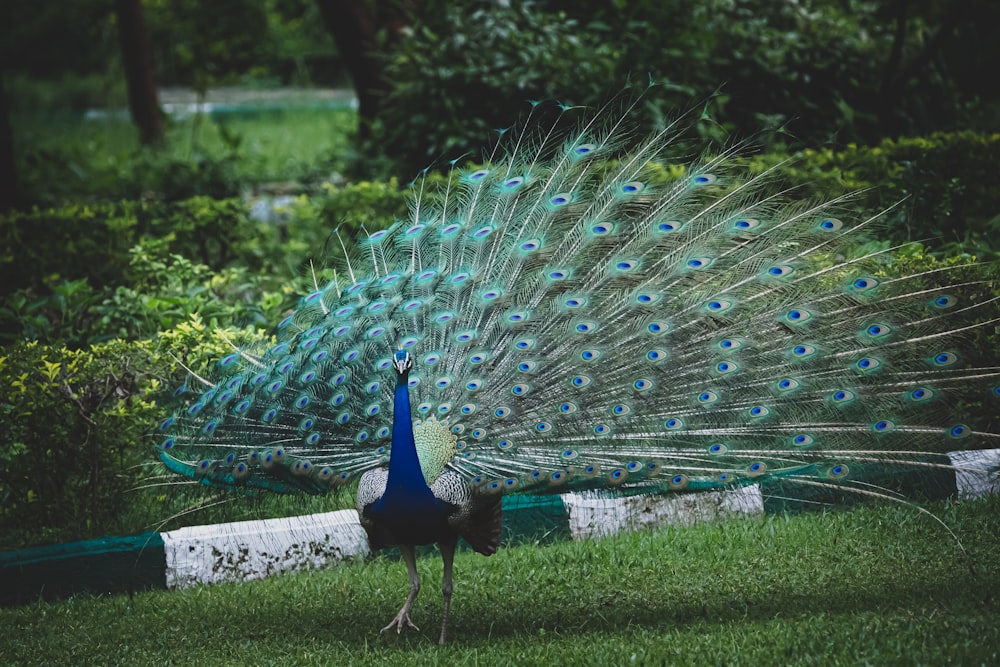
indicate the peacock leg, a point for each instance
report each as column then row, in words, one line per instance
column 403, row 617
column 448, row 556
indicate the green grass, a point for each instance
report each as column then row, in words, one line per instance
column 871, row 586
column 63, row 157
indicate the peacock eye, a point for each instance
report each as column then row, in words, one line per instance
column 582, row 312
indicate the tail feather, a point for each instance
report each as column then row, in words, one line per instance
column 587, row 312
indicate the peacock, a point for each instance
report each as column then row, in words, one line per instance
column 584, row 311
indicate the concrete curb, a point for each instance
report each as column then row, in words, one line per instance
column 248, row 550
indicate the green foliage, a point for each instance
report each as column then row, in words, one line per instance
column 933, row 186
column 167, row 290
column 367, row 205
column 61, row 315
column 82, row 274
column 301, row 50
column 33, row 97
column 80, row 240
column 74, row 429
column 202, row 44
column 70, row 422
column 468, row 68
column 209, row 39
column 814, row 61
column 61, row 157
column 162, row 291
column 817, row 71
column 57, row 39
column 194, row 43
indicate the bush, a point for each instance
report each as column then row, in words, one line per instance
column 823, row 69
column 470, row 68
column 81, row 170
column 74, row 424
column 93, row 240
column 931, row 187
column 85, row 273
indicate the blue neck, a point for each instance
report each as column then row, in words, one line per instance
column 406, row 481
column 407, row 512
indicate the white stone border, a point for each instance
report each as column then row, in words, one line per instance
column 248, row 550
column 973, row 472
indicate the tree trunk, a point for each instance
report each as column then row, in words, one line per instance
column 355, row 31
column 898, row 73
column 138, row 61
column 8, row 172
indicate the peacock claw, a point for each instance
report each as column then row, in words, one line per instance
column 402, row 618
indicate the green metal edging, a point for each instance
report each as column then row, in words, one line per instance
column 99, row 566
column 139, row 562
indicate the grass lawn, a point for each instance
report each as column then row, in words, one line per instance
column 62, row 156
column 878, row 585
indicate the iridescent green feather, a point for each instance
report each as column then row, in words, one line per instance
column 585, row 313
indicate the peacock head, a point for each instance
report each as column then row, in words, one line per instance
column 402, row 362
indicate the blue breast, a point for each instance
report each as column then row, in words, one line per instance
column 408, row 508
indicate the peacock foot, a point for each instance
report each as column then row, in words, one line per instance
column 402, row 618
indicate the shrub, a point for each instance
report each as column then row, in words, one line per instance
column 470, row 68
column 933, row 186
column 74, row 424
column 93, row 240
column 825, row 69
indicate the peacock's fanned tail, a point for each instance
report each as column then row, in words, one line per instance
column 585, row 312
